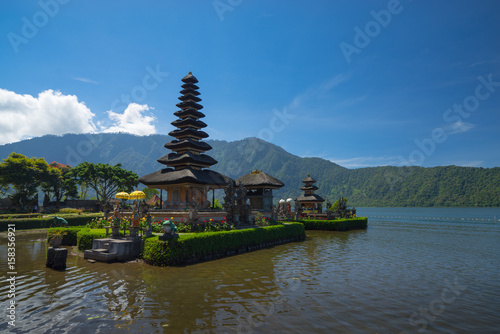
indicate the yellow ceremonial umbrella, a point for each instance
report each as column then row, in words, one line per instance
column 122, row 195
column 137, row 195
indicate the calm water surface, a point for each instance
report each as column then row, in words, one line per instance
column 412, row 271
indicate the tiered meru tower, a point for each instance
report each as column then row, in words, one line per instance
column 310, row 202
column 186, row 181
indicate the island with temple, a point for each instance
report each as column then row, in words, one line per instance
column 247, row 219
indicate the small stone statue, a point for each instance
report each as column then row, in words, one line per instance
column 169, row 228
column 193, row 211
column 149, row 231
column 229, row 203
column 60, row 221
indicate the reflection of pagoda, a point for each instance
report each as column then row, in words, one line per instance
column 310, row 202
column 186, row 182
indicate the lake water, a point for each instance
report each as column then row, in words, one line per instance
column 414, row 270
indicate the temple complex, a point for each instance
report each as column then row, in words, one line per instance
column 309, row 201
column 259, row 187
column 187, row 179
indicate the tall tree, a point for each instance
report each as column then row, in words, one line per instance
column 24, row 175
column 59, row 182
column 104, row 179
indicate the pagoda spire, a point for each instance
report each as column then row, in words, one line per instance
column 187, row 145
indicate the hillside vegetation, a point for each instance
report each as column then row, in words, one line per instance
column 376, row 186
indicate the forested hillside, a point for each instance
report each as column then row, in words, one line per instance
column 378, row 186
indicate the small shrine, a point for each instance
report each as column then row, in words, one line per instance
column 259, row 189
column 310, row 202
column 186, row 178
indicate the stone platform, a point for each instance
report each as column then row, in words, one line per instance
column 111, row 250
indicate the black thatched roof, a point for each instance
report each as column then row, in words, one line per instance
column 187, row 175
column 309, row 187
column 190, row 96
column 190, row 78
column 189, row 121
column 259, row 179
column 310, row 198
column 190, row 89
column 189, row 104
column 187, row 159
column 188, row 132
column 308, row 179
column 189, row 112
column 188, row 143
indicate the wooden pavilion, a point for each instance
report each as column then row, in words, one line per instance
column 259, row 187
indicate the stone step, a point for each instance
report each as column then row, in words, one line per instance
column 100, row 250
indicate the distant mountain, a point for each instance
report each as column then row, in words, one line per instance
column 377, row 186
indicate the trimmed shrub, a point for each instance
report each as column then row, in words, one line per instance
column 20, row 215
column 86, row 236
column 202, row 246
column 34, row 223
column 70, row 239
column 336, row 225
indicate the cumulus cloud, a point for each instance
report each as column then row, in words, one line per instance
column 132, row 120
column 24, row 116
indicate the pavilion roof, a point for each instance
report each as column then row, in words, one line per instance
column 312, row 198
column 258, row 178
column 169, row 176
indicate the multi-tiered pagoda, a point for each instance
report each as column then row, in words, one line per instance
column 186, row 178
column 310, row 202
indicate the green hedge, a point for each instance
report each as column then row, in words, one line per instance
column 86, row 236
column 192, row 248
column 19, row 215
column 33, row 223
column 336, row 225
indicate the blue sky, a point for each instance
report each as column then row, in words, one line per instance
column 360, row 83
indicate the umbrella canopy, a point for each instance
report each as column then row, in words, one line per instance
column 137, row 195
column 122, row 195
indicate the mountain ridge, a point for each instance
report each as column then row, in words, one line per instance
column 369, row 186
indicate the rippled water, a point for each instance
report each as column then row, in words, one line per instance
column 411, row 270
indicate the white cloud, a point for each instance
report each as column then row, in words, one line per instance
column 24, row 116
column 458, row 127
column 132, row 121
column 86, row 80
column 360, row 162
column 468, row 163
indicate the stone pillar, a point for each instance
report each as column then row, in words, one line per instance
column 133, row 231
column 115, row 232
column 56, row 258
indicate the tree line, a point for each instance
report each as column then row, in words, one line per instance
column 22, row 177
